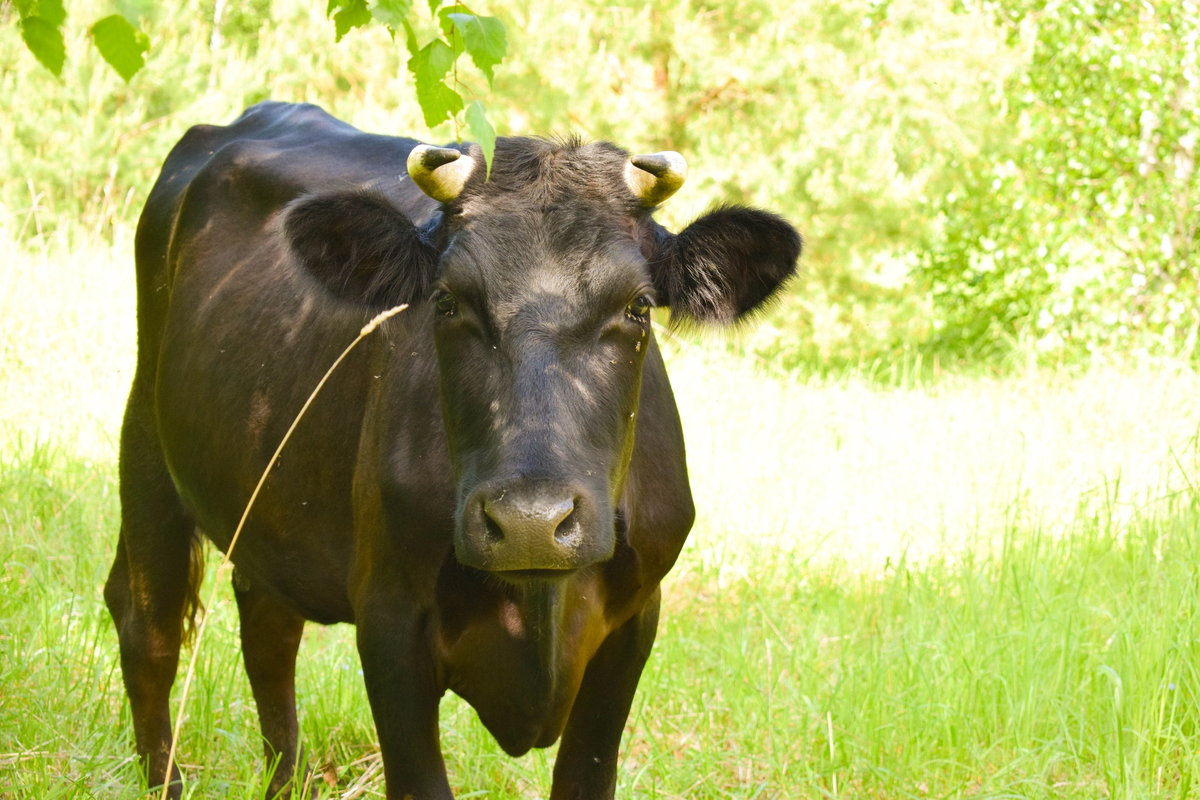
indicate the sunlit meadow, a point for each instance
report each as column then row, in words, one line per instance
column 909, row 577
column 947, row 586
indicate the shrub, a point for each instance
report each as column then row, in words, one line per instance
column 1080, row 228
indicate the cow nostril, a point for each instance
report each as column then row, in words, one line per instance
column 494, row 531
column 568, row 528
column 528, row 521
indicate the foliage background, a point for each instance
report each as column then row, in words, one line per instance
column 988, row 183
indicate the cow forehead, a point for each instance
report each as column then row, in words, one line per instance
column 509, row 260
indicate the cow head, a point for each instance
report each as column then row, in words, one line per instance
column 538, row 283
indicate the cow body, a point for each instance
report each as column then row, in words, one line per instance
column 418, row 496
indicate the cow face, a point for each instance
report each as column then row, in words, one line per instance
column 542, row 322
column 541, row 279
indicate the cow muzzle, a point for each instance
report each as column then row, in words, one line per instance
column 533, row 529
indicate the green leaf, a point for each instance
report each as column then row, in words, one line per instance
column 432, row 61
column 350, row 14
column 434, row 5
column 483, row 132
column 121, row 45
column 486, row 41
column 393, row 13
column 52, row 11
column 26, row 8
column 450, row 31
column 45, row 42
column 443, row 16
column 410, row 39
column 438, row 103
column 429, row 66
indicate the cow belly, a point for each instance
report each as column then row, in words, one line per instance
column 298, row 536
column 225, row 395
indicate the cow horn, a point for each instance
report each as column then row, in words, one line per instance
column 440, row 172
column 656, row 176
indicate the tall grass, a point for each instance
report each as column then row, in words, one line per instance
column 1049, row 666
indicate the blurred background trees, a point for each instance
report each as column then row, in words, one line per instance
column 1076, row 229
column 980, row 184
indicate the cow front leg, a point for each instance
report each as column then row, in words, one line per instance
column 149, row 626
column 156, row 572
column 271, row 633
column 586, row 767
column 401, row 685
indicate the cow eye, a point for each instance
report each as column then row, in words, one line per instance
column 639, row 308
column 445, row 303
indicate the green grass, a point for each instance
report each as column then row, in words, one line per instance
column 962, row 587
column 1050, row 667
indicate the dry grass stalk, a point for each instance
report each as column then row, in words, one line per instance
column 362, row 785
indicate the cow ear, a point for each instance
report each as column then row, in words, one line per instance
column 725, row 264
column 360, row 248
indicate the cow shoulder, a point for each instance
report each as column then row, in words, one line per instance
column 206, row 151
column 328, row 191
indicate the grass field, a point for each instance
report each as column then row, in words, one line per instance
column 969, row 587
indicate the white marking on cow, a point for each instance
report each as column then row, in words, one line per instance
column 510, row 617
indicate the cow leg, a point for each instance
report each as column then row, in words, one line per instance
column 149, row 585
column 586, row 767
column 399, row 674
column 271, row 633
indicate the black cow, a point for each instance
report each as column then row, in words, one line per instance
column 491, row 487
